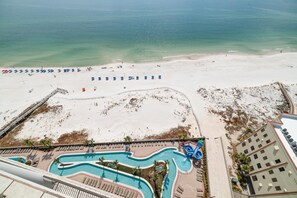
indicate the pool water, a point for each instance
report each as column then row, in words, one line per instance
column 85, row 163
column 23, row 160
column 159, row 169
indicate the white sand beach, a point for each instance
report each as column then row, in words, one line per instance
column 19, row 90
column 110, row 110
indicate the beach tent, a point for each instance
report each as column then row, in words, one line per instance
column 83, row 89
column 153, row 77
column 145, row 77
column 106, row 78
column 26, row 71
column 73, row 70
column 15, row 71
column 59, row 70
column 160, row 76
column 122, row 78
column 78, row 70
column 21, row 71
column 37, row 70
column 130, row 77
column 93, row 78
column 10, row 71
column 114, row 78
column 99, row 78
column 65, row 70
column 137, row 77
column 32, row 70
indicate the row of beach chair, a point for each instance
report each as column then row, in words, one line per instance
column 109, row 147
column 120, row 191
column 15, row 151
column 70, row 148
column 8, row 71
column 114, row 78
column 179, row 192
column 148, row 145
column 200, row 180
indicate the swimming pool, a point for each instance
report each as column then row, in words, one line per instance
column 23, row 160
column 86, row 163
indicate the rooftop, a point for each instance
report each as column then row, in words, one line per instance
column 12, row 186
column 287, row 133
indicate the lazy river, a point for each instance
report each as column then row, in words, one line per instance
column 86, row 163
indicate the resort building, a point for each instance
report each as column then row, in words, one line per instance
column 272, row 152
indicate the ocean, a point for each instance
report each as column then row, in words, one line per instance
column 93, row 32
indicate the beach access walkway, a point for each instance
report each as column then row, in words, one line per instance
column 15, row 121
column 288, row 98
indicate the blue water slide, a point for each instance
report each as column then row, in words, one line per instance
column 197, row 154
column 188, row 149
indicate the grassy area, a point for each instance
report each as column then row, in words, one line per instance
column 153, row 177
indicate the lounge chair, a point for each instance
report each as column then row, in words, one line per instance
column 179, row 191
column 99, row 185
column 84, row 180
column 181, row 188
column 176, row 195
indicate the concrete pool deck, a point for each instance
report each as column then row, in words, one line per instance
column 187, row 181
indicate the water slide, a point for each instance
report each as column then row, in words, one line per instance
column 195, row 153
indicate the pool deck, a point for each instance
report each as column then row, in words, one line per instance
column 186, row 184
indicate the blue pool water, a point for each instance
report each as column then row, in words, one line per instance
column 92, row 32
column 17, row 159
column 170, row 154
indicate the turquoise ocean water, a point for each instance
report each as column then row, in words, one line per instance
column 91, row 32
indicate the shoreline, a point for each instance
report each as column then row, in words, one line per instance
column 165, row 59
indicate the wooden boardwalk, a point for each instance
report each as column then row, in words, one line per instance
column 22, row 116
column 287, row 97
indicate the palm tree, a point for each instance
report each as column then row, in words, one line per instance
column 183, row 137
column 28, row 142
column 92, row 141
column 57, row 161
column 139, row 171
column 116, row 163
column 86, row 142
column 46, row 142
column 134, row 171
column 20, row 159
column 167, row 162
column 155, row 165
column 127, row 139
column 101, row 160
